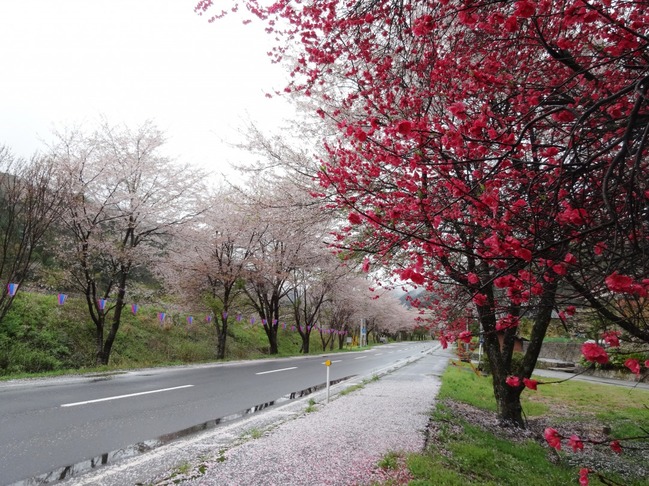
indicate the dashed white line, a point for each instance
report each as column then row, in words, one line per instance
column 118, row 397
column 361, row 357
column 275, row 371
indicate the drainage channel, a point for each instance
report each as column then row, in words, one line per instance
column 111, row 458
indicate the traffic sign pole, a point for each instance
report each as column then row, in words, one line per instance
column 327, row 364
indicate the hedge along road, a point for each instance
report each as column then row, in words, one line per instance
column 50, row 424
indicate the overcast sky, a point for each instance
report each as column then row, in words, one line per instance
column 70, row 62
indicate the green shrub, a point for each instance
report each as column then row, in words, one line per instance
column 20, row 359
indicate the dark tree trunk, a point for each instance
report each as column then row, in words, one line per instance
column 117, row 317
column 108, row 344
column 510, row 412
column 99, row 342
column 508, row 403
column 306, row 338
column 271, row 334
column 221, row 335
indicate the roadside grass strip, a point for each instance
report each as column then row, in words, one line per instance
column 465, row 446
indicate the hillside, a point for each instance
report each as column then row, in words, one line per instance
column 39, row 335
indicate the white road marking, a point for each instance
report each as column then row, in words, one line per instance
column 361, row 357
column 275, row 371
column 117, row 397
column 334, row 361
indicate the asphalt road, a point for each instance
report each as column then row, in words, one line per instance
column 48, row 426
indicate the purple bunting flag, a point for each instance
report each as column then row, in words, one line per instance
column 161, row 316
column 61, row 298
column 208, row 318
column 11, row 289
column 102, row 304
column 190, row 320
column 134, row 309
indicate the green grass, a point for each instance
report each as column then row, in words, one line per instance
column 390, row 460
column 475, row 457
column 255, row 433
column 465, row 453
column 40, row 338
column 311, row 407
column 461, row 383
column 351, row 389
column 615, row 405
column 359, row 386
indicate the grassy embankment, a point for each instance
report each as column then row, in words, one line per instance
column 466, row 447
column 40, row 337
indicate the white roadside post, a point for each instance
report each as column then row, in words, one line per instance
column 327, row 364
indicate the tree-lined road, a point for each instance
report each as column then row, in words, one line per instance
column 50, row 424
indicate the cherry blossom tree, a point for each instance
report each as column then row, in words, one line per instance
column 207, row 263
column 308, row 292
column 340, row 313
column 126, row 199
column 30, row 202
column 293, row 228
column 386, row 315
column 275, row 256
column 489, row 146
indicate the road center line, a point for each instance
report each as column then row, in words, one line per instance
column 275, row 371
column 117, row 397
column 361, row 357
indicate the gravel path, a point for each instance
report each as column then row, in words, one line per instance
column 342, row 442
column 339, row 443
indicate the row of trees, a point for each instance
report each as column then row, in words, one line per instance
column 104, row 215
column 496, row 152
column 266, row 254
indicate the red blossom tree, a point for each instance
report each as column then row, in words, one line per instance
column 497, row 147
